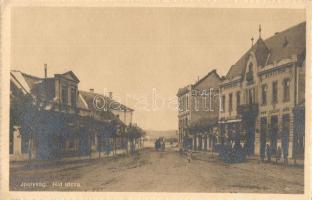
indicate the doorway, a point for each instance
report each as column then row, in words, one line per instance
column 263, row 135
column 274, row 132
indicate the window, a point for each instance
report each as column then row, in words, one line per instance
column 187, row 101
column 73, row 97
column 238, row 98
column 286, row 87
column 11, row 141
column 64, row 95
column 223, row 103
column 230, row 102
column 249, row 74
column 206, row 103
column 251, row 95
column 264, row 89
column 196, row 103
column 25, row 143
column 179, row 103
column 274, row 92
column 250, row 67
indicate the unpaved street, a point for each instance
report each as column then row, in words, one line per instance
column 158, row 172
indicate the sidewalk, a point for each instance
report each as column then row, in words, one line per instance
column 89, row 158
column 208, row 156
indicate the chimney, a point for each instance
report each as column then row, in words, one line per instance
column 91, row 90
column 252, row 41
column 45, row 70
column 110, row 94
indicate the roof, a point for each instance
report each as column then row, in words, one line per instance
column 291, row 41
column 89, row 97
column 20, row 81
column 184, row 90
column 209, row 74
column 70, row 75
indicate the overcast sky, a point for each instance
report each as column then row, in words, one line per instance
column 130, row 51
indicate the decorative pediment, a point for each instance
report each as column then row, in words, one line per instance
column 71, row 76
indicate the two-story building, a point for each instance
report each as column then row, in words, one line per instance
column 260, row 94
column 51, row 118
column 281, row 90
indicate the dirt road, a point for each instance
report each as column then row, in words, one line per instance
column 152, row 171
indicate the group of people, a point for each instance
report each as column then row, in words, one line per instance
column 278, row 153
column 160, row 144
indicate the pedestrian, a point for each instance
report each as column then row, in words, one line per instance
column 189, row 155
column 285, row 147
column 268, row 152
column 278, row 154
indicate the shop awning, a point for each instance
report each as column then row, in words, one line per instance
column 229, row 121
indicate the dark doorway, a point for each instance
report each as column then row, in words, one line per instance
column 250, row 135
column 263, row 133
column 285, row 134
column 273, row 134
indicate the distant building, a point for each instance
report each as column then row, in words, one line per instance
column 198, row 112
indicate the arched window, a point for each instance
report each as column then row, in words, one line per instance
column 249, row 74
column 250, row 67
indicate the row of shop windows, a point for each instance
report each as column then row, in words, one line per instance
column 272, row 132
column 69, row 144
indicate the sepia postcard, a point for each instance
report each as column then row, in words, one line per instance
column 155, row 100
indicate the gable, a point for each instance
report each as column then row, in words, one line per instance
column 71, row 76
column 211, row 80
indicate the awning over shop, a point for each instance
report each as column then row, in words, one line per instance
column 229, row 121
column 203, row 124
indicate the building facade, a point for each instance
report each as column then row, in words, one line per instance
column 260, row 95
column 261, row 99
column 198, row 112
column 50, row 118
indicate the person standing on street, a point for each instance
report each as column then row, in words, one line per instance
column 268, row 152
column 278, row 154
column 189, row 155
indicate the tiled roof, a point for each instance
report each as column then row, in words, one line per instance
column 209, row 73
column 183, row 90
column 280, row 46
column 89, row 98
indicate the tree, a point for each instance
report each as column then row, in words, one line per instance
column 23, row 114
column 134, row 132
